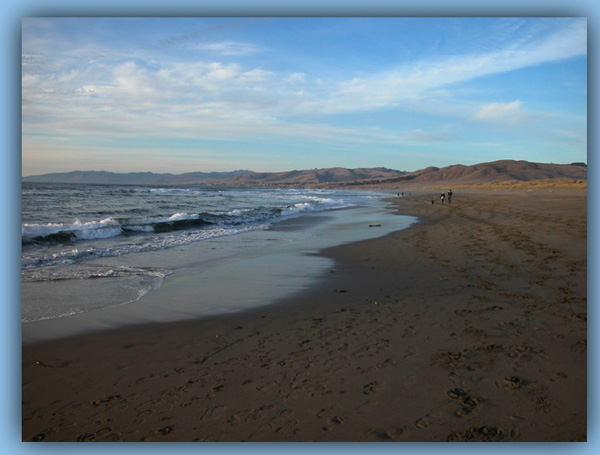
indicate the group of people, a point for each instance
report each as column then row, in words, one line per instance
column 443, row 197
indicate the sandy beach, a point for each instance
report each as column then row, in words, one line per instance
column 471, row 325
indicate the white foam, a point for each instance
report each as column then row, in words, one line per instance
column 256, row 210
column 89, row 230
column 155, row 243
column 139, row 281
column 171, row 191
column 98, row 233
column 139, row 228
column 182, row 216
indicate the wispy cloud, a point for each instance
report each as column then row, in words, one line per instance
column 226, row 89
column 416, row 80
column 229, row 48
column 209, row 83
column 504, row 111
column 208, row 33
column 419, row 135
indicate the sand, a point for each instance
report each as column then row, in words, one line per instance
column 468, row 326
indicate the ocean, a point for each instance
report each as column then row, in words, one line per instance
column 102, row 256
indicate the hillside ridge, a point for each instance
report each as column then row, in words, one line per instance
column 336, row 177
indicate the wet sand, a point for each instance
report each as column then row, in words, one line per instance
column 469, row 326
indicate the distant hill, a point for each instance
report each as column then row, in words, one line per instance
column 314, row 177
column 133, row 178
column 496, row 171
column 458, row 174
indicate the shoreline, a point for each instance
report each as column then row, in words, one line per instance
column 468, row 325
column 217, row 276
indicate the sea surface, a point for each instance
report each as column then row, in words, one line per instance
column 102, row 256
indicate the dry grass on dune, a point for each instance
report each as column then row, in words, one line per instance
column 560, row 183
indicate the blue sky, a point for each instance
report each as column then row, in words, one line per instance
column 274, row 94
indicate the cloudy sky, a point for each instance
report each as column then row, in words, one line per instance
column 274, row 94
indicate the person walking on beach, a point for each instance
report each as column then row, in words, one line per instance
column 442, row 197
column 449, row 196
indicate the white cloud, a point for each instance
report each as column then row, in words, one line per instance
column 29, row 80
column 417, row 80
column 503, row 111
column 106, row 94
column 295, row 78
column 229, row 48
column 255, row 75
column 295, row 93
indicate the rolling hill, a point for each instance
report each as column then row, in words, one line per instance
column 496, row 171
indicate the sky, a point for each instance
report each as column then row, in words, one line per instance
column 274, row 94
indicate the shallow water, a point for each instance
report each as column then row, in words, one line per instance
column 198, row 279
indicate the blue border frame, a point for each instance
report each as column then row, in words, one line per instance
column 10, row 180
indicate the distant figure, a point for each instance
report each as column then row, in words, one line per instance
column 402, row 194
column 432, row 202
column 442, row 197
column 449, row 196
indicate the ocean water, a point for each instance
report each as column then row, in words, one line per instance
column 101, row 256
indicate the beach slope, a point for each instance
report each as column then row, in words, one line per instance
column 468, row 326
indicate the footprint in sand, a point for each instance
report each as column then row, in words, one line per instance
column 514, row 382
column 422, row 423
column 338, row 420
column 323, row 412
column 469, row 402
column 105, row 400
column 165, row 430
column 390, row 434
column 485, row 433
column 370, row 388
